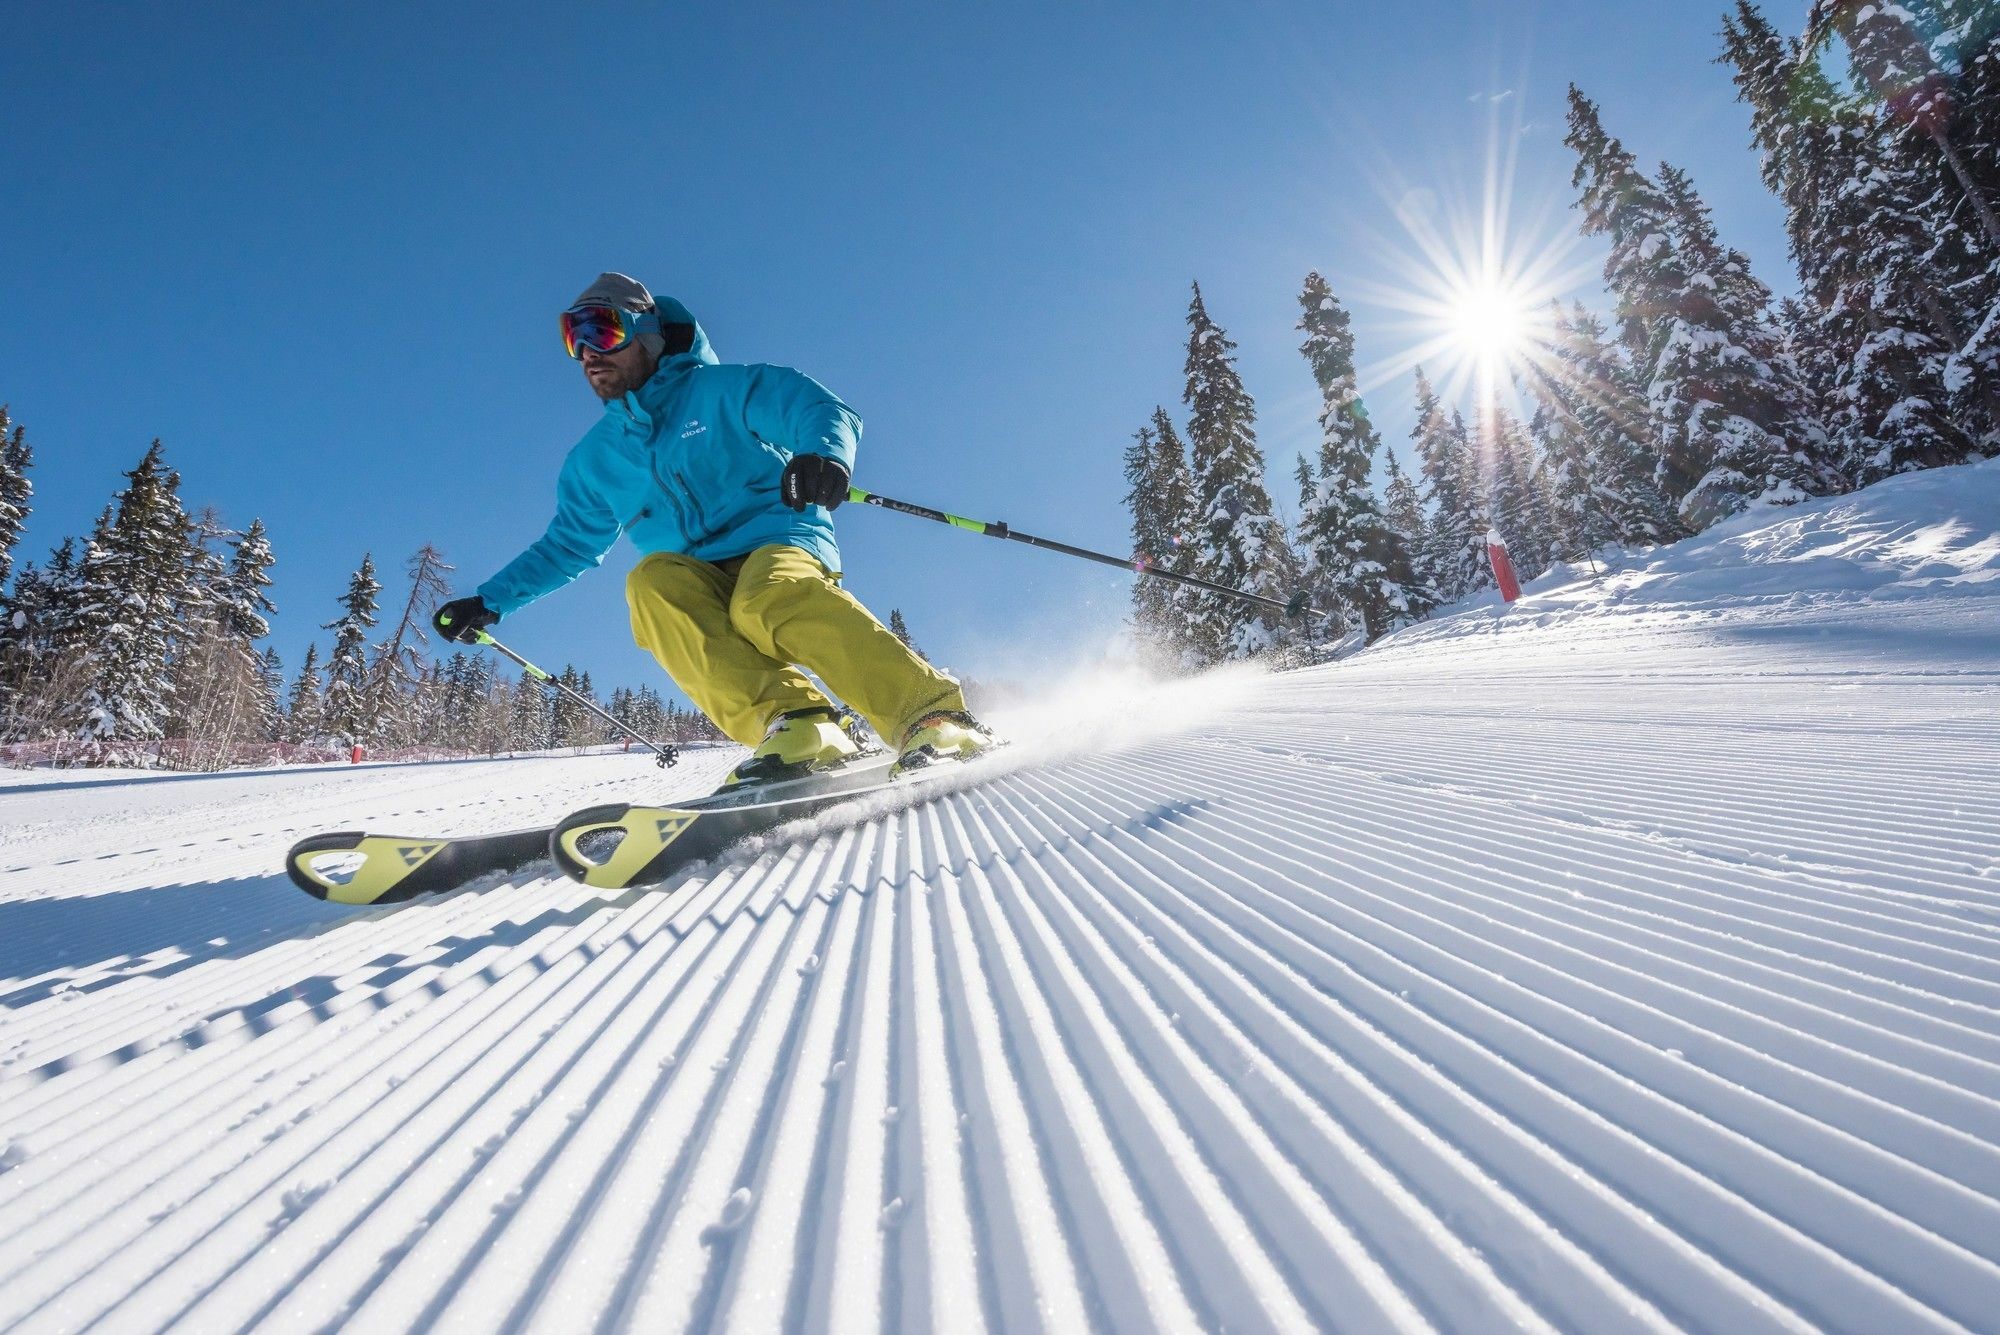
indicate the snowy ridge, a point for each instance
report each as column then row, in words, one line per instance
column 1598, row 966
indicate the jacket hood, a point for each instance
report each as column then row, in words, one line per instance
column 672, row 312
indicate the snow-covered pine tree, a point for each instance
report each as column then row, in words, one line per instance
column 1312, row 578
column 1965, row 41
column 649, row 714
column 1733, row 371
column 1344, row 538
column 270, row 695
column 1591, row 386
column 16, row 491
column 1159, row 496
column 246, row 602
column 424, row 705
column 41, row 671
column 530, row 719
column 1719, row 423
column 1876, row 326
column 1889, row 55
column 215, row 668
column 1939, row 220
column 574, row 725
column 1458, row 521
column 399, row 665
column 1403, row 510
column 1817, row 362
column 1514, row 502
column 1576, row 526
column 1240, row 540
column 305, row 707
column 347, row 715
column 133, row 586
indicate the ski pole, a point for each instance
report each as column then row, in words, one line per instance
column 665, row 757
column 1138, row 564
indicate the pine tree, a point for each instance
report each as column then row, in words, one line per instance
column 1937, row 233
column 245, row 602
column 649, row 714
column 1590, row 388
column 305, row 707
column 1458, row 522
column 42, row 671
column 270, row 695
column 1769, row 444
column 215, row 667
column 347, row 714
column 1516, row 503
column 1888, row 53
column 1403, row 510
column 1344, row 537
column 901, row 630
column 530, row 720
column 1576, row 526
column 1877, row 331
column 133, row 582
column 16, row 491
column 1241, row 542
column 1719, row 418
column 1160, row 498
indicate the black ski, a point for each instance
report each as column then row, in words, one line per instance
column 355, row 867
column 619, row 845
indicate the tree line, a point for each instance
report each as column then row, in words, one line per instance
column 1700, row 397
column 141, row 645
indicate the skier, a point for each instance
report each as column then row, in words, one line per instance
column 725, row 476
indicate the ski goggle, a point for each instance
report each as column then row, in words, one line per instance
column 604, row 328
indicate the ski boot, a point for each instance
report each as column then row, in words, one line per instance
column 945, row 734
column 796, row 744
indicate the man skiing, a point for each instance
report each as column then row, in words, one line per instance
column 725, row 476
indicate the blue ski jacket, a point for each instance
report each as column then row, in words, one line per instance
column 689, row 462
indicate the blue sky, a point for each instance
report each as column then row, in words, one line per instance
column 321, row 255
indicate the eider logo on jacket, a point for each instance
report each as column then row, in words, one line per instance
column 693, row 428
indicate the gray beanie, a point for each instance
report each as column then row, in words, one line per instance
column 615, row 289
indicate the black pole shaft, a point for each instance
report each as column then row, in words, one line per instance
column 1137, row 565
column 667, row 755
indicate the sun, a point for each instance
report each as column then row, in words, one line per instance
column 1494, row 322
column 1470, row 283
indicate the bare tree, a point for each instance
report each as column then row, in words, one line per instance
column 399, row 660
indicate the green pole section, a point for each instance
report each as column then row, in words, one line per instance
column 1138, row 565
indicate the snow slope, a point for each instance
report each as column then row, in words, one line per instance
column 1629, row 959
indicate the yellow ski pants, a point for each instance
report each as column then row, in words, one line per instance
column 730, row 633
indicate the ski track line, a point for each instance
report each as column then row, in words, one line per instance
column 1837, row 904
column 294, row 1107
column 1211, row 882
column 1616, row 1009
column 1717, row 956
column 1548, row 769
column 1492, row 1024
column 1668, row 891
column 1873, row 839
column 1962, row 1157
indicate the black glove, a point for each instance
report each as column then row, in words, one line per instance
column 462, row 619
column 813, row 479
